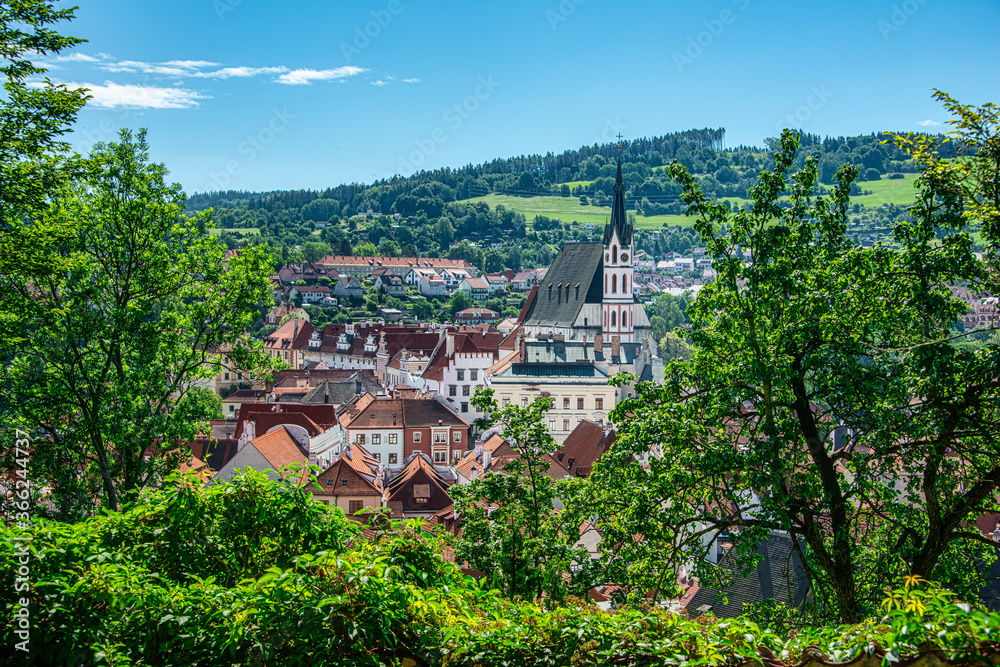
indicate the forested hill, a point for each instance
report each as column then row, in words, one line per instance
column 519, row 197
column 502, row 173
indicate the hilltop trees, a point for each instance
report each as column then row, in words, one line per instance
column 824, row 397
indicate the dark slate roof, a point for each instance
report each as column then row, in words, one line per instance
column 577, row 264
column 779, row 576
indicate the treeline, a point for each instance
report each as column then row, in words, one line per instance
column 436, row 210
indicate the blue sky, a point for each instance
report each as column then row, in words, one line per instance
column 255, row 95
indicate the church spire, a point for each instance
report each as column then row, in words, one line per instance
column 619, row 219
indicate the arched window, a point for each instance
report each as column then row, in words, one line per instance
column 624, row 284
column 612, row 319
column 614, row 254
column 605, row 319
column 614, row 284
column 624, row 320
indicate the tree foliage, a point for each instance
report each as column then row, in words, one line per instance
column 824, row 397
column 121, row 308
column 511, row 529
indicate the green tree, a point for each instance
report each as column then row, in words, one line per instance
column 492, row 261
column 32, row 119
column 511, row 530
column 673, row 346
column 106, row 331
column 314, row 251
column 199, row 404
column 444, row 232
column 321, row 210
column 388, row 248
column 459, row 302
column 819, row 372
column 366, row 249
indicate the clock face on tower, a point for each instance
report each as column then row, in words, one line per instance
column 607, row 257
column 624, row 256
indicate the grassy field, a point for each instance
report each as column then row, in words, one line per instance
column 887, row 191
column 569, row 209
column 240, row 231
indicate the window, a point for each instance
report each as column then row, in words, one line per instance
column 565, row 402
column 552, row 424
column 329, row 482
column 456, row 436
column 355, row 506
column 465, row 406
column 440, row 437
column 613, row 318
column 378, row 457
column 227, row 376
column 392, row 438
column 452, row 390
column 343, row 482
column 360, row 439
column 460, row 375
column 440, row 457
column 465, row 390
column 393, row 458
column 598, row 403
column 524, row 401
column 565, row 424
column 376, row 438
column 506, row 401
column 579, row 403
column 416, row 436
column 624, row 320
column 614, row 284
column 624, row 283
column 474, row 375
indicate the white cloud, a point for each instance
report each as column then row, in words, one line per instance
column 239, row 72
column 116, row 96
column 299, row 77
column 411, row 80
column 191, row 64
column 380, row 83
column 928, row 123
column 169, row 68
column 76, row 58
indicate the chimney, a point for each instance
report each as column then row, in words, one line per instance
column 487, row 459
column 598, row 344
column 522, row 348
column 616, row 345
column 450, row 343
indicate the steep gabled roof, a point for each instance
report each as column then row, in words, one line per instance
column 574, row 279
column 280, row 448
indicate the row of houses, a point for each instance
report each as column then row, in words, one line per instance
column 452, row 362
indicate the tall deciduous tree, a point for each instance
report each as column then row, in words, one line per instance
column 824, row 398
column 107, row 332
column 511, row 530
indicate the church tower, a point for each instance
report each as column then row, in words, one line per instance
column 618, row 305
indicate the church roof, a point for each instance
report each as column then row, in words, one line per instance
column 557, row 300
column 619, row 218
